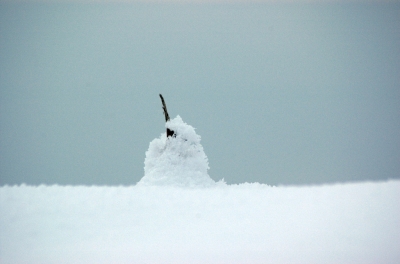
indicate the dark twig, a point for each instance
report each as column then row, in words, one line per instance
column 170, row 132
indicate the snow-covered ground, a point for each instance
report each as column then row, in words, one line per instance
column 188, row 218
column 247, row 223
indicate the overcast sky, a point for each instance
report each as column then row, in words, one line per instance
column 280, row 93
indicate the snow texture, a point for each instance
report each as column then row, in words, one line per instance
column 179, row 160
column 170, row 217
column 246, row 223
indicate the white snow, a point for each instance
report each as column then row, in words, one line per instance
column 247, row 223
column 178, row 160
column 178, row 214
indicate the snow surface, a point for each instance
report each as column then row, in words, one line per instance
column 246, row 223
column 178, row 214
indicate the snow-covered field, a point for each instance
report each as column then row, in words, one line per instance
column 188, row 218
column 247, row 223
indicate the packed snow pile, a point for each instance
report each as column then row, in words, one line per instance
column 246, row 223
column 178, row 160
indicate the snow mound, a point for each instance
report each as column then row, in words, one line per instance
column 177, row 161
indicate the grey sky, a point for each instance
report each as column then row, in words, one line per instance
column 280, row 93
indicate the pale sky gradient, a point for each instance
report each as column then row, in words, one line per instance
column 280, row 93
